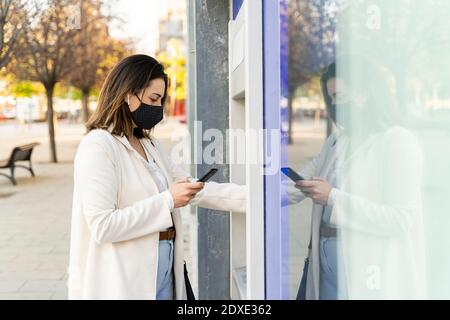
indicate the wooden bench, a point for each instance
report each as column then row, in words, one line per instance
column 19, row 154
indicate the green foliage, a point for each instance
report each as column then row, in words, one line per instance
column 24, row 89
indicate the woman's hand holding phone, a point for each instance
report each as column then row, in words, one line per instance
column 317, row 189
column 183, row 191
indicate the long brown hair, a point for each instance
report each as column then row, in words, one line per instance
column 131, row 75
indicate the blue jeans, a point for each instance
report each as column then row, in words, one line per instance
column 331, row 270
column 164, row 282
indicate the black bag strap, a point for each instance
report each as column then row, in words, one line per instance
column 189, row 292
column 301, row 294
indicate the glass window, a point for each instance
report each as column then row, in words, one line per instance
column 362, row 110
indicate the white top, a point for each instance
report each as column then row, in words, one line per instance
column 158, row 176
column 337, row 155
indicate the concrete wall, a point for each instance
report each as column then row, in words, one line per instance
column 208, row 103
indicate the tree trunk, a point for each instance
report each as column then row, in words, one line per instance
column 290, row 114
column 85, row 103
column 51, row 125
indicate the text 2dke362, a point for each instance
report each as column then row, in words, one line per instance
column 224, row 310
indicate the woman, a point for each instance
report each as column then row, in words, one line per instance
column 367, row 231
column 320, row 277
column 127, row 237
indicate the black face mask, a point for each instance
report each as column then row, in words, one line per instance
column 147, row 116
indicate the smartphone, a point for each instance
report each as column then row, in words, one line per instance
column 208, row 175
column 294, row 176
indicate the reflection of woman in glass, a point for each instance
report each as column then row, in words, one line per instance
column 366, row 236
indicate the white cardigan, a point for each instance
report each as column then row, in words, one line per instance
column 117, row 215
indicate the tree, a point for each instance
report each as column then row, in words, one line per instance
column 95, row 51
column 311, row 33
column 46, row 52
column 11, row 27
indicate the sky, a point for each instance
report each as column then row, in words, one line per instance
column 140, row 22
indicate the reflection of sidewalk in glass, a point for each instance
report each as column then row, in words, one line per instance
column 308, row 138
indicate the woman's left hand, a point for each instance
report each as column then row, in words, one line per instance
column 317, row 189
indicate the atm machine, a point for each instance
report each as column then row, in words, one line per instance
column 246, row 123
column 258, row 107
